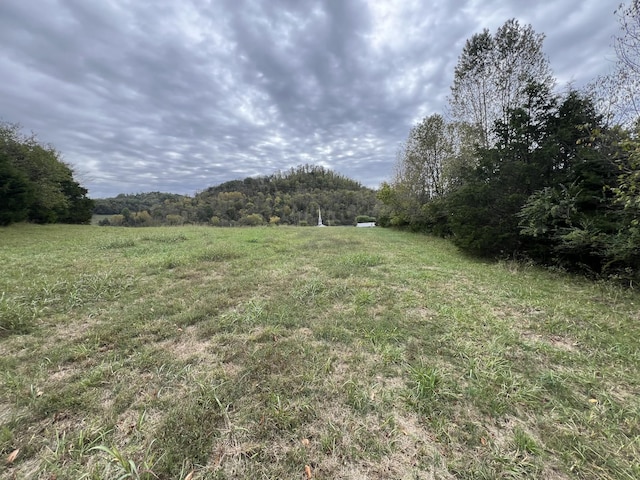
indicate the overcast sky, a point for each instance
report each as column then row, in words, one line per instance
column 180, row 95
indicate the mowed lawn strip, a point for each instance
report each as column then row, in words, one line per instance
column 293, row 352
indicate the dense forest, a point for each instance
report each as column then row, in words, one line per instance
column 35, row 184
column 517, row 169
column 287, row 198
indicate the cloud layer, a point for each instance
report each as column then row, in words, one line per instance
column 180, row 95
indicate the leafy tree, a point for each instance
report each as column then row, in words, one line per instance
column 43, row 185
column 424, row 156
column 134, row 202
column 126, row 213
column 142, row 219
column 492, row 74
column 15, row 193
column 173, row 219
column 420, row 173
column 627, row 45
column 617, row 92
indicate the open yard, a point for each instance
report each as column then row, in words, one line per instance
column 334, row 353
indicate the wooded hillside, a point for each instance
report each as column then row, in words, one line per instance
column 290, row 198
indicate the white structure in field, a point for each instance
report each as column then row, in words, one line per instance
column 366, row 224
column 320, row 224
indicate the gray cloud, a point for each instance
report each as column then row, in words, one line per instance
column 181, row 95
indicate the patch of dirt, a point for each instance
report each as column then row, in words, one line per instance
column 421, row 313
column 185, row 345
column 500, row 432
column 63, row 373
column 556, row 341
column 304, row 332
column 6, row 412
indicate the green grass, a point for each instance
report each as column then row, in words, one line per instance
column 252, row 353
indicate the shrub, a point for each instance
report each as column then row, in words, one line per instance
column 252, row 220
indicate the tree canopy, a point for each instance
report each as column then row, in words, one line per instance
column 35, row 184
column 492, row 73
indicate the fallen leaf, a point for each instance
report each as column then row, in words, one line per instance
column 13, row 455
column 189, row 475
column 307, row 470
column 483, row 441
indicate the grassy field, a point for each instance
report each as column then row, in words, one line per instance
column 202, row 353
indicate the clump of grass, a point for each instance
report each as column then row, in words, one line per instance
column 165, row 238
column 123, row 467
column 118, row 243
column 524, row 443
column 362, row 260
column 426, row 385
column 309, row 291
column 218, row 254
column 18, row 315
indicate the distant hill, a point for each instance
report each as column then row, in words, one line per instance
column 292, row 197
column 136, row 202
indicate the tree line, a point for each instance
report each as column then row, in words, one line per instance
column 284, row 198
column 35, row 184
column 515, row 168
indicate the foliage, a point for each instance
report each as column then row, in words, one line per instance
column 14, row 192
column 491, row 192
column 623, row 246
column 558, row 186
column 492, row 73
column 420, row 173
column 423, row 158
column 617, row 92
column 546, row 190
column 133, row 202
column 289, row 198
column 627, row 73
column 35, row 184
